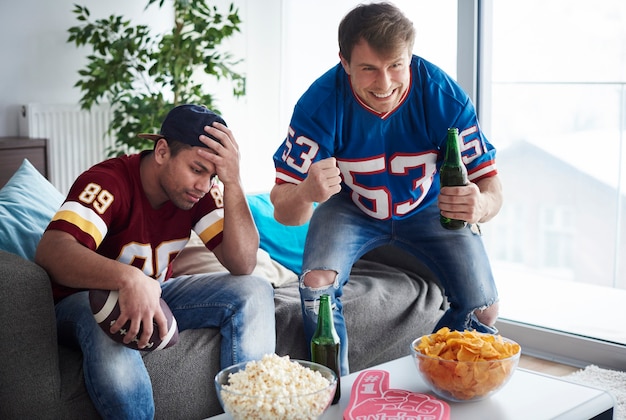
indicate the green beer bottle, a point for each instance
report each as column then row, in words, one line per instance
column 325, row 343
column 452, row 174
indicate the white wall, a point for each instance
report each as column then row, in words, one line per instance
column 38, row 64
column 288, row 44
column 285, row 45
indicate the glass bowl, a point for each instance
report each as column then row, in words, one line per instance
column 282, row 392
column 463, row 381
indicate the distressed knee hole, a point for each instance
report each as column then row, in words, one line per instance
column 318, row 279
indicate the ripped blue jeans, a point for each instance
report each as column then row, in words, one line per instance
column 339, row 234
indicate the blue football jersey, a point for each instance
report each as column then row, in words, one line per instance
column 389, row 161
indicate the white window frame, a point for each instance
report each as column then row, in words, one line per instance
column 473, row 73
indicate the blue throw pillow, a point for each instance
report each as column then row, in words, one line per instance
column 27, row 203
column 285, row 244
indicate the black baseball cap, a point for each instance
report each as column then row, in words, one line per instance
column 185, row 124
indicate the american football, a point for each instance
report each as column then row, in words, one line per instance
column 105, row 307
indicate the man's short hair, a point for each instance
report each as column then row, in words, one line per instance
column 382, row 25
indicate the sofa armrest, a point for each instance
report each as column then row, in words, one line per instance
column 29, row 372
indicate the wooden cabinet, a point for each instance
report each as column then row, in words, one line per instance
column 13, row 150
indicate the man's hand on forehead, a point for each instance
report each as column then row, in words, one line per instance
column 223, row 152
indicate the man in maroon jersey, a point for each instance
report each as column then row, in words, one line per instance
column 121, row 226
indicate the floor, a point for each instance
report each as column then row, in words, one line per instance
column 545, row 366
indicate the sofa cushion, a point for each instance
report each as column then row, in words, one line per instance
column 27, row 203
column 195, row 258
column 385, row 309
column 285, row 244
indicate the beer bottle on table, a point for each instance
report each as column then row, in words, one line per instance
column 452, row 174
column 325, row 342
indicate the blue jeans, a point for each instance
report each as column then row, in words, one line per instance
column 339, row 234
column 117, row 381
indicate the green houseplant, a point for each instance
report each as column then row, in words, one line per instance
column 143, row 75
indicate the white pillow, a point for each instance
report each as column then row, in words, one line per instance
column 195, row 258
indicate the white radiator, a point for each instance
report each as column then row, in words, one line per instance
column 76, row 138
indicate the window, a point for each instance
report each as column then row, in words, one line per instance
column 311, row 50
column 557, row 231
column 553, row 101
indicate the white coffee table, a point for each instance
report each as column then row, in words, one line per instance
column 528, row 395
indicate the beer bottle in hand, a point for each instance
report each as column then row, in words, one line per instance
column 325, row 342
column 452, row 174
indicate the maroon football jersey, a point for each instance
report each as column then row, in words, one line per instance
column 107, row 211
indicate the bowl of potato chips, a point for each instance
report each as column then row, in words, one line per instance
column 465, row 365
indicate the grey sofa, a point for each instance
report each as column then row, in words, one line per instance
column 385, row 309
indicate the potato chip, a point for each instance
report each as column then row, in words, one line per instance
column 466, row 364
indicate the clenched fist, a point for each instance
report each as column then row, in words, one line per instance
column 323, row 180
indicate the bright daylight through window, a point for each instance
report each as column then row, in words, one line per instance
column 553, row 101
column 557, row 113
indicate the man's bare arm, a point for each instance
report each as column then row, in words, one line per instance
column 289, row 208
column 491, row 197
column 293, row 204
column 240, row 240
column 71, row 264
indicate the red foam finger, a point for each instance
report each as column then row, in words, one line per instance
column 371, row 395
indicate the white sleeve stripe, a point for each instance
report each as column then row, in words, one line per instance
column 209, row 220
column 482, row 172
column 284, row 177
column 87, row 214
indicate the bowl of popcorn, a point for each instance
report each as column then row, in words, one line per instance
column 465, row 365
column 275, row 387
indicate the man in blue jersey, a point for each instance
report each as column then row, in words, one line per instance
column 366, row 141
